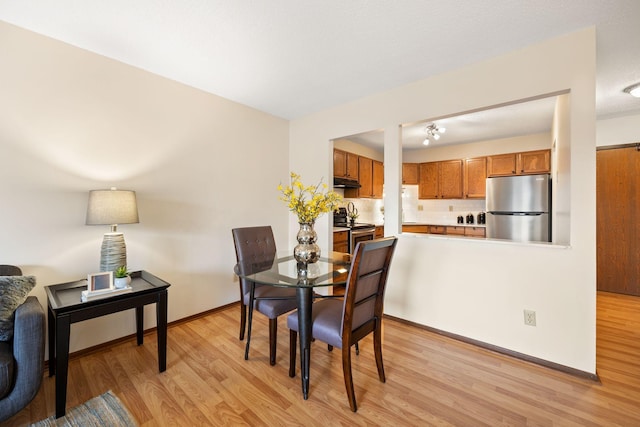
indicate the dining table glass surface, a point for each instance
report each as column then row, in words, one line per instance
column 283, row 270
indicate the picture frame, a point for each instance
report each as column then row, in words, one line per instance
column 102, row 281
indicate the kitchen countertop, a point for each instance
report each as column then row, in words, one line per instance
column 445, row 224
column 441, row 224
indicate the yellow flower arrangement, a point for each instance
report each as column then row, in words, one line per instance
column 308, row 203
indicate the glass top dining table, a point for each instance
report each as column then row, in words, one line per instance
column 283, row 271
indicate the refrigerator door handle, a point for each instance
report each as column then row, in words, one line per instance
column 519, row 213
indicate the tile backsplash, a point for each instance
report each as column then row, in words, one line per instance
column 421, row 211
column 436, row 211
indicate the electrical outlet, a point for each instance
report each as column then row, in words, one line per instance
column 450, row 208
column 420, row 207
column 530, row 317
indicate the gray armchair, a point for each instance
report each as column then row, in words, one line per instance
column 22, row 358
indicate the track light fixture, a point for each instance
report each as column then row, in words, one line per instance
column 433, row 132
column 633, row 90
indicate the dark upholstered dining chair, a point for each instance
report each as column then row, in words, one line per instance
column 256, row 243
column 342, row 323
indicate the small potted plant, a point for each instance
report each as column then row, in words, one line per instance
column 122, row 278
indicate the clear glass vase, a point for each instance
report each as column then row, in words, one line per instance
column 306, row 251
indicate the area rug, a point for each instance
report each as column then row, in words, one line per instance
column 104, row 410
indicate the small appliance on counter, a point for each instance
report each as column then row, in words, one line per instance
column 482, row 218
column 460, row 219
column 340, row 217
column 470, row 218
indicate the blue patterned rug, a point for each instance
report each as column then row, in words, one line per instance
column 104, row 410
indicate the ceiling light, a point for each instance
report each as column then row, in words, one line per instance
column 433, row 132
column 633, row 90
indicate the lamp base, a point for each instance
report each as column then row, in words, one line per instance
column 113, row 253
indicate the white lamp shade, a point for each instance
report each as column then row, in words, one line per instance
column 108, row 207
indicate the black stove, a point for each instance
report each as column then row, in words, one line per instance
column 358, row 231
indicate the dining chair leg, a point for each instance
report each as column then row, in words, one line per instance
column 273, row 336
column 377, row 349
column 348, row 377
column 249, row 320
column 293, row 341
column 243, row 319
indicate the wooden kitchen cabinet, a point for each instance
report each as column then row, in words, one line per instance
column 371, row 179
column 341, row 241
column 379, row 232
column 475, row 177
column 428, row 180
column 410, row 173
column 345, row 164
column 475, row 231
column 440, row 180
column 532, row 162
column 437, row 229
column 415, row 228
column 365, row 176
column 377, row 179
column 524, row 163
column 501, row 164
column 455, row 230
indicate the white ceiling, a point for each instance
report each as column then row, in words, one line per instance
column 291, row 58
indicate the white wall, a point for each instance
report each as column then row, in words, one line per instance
column 72, row 121
column 476, row 288
column 618, row 130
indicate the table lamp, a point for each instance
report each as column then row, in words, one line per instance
column 112, row 207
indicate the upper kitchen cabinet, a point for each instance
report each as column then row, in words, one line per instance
column 410, row 173
column 440, row 180
column 524, row 163
column 371, row 179
column 377, row 180
column 475, row 175
column 345, row 164
column 532, row 162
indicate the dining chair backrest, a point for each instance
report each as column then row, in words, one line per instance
column 364, row 294
column 10, row 270
column 253, row 243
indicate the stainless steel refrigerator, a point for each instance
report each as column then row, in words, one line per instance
column 518, row 208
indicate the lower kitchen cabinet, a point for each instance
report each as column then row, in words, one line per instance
column 415, row 228
column 455, row 230
column 475, row 231
column 437, row 229
column 451, row 230
column 341, row 241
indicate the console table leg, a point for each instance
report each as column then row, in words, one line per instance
column 62, row 326
column 140, row 324
column 161, row 320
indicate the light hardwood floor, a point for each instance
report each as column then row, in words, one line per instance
column 431, row 380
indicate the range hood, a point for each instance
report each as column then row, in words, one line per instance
column 345, row 183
